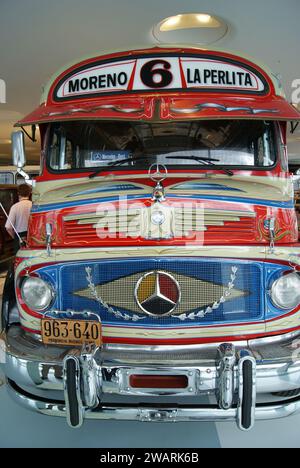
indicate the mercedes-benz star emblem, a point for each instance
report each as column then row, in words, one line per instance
column 157, row 172
column 157, row 293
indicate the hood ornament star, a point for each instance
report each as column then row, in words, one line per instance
column 158, row 172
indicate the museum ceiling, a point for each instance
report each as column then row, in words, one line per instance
column 38, row 37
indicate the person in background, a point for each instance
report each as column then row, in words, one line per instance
column 19, row 215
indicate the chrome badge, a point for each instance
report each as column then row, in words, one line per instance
column 157, row 293
column 158, row 217
column 158, row 173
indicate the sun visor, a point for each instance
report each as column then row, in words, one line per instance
column 167, row 108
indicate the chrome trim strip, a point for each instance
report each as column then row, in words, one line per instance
column 162, row 349
column 91, row 378
column 274, row 339
column 220, row 107
column 192, row 375
column 94, row 109
column 226, row 384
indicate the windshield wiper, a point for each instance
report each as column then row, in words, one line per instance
column 206, row 161
column 119, row 163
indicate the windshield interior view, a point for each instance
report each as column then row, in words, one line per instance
column 134, row 146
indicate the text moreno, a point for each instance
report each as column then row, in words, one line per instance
column 109, row 80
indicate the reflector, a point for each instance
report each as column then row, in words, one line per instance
column 158, row 381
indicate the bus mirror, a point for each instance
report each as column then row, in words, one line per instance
column 18, row 149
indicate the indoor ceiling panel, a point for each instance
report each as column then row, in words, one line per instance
column 38, row 37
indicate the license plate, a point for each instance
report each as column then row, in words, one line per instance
column 71, row 332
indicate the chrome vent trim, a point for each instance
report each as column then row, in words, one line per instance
column 178, row 221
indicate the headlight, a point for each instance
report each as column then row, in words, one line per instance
column 36, row 293
column 285, row 292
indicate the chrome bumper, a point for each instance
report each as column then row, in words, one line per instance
column 156, row 413
column 235, row 378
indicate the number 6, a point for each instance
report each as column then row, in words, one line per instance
column 148, row 72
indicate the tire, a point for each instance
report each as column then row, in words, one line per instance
column 9, row 311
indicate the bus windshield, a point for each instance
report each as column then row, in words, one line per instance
column 83, row 145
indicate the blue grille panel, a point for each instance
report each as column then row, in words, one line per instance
column 115, row 279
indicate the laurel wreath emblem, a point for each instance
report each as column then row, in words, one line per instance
column 104, row 304
column 193, row 315
column 203, row 312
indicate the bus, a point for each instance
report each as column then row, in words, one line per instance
column 162, row 261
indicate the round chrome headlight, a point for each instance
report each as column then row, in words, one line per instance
column 285, row 291
column 36, row 293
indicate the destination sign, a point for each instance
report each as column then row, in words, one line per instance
column 160, row 73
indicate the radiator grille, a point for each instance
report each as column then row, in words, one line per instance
column 108, row 289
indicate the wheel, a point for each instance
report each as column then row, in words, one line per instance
column 9, row 310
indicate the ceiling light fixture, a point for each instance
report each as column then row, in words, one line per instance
column 200, row 28
column 203, row 18
column 170, row 23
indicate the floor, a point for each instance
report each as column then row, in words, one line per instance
column 43, row 431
